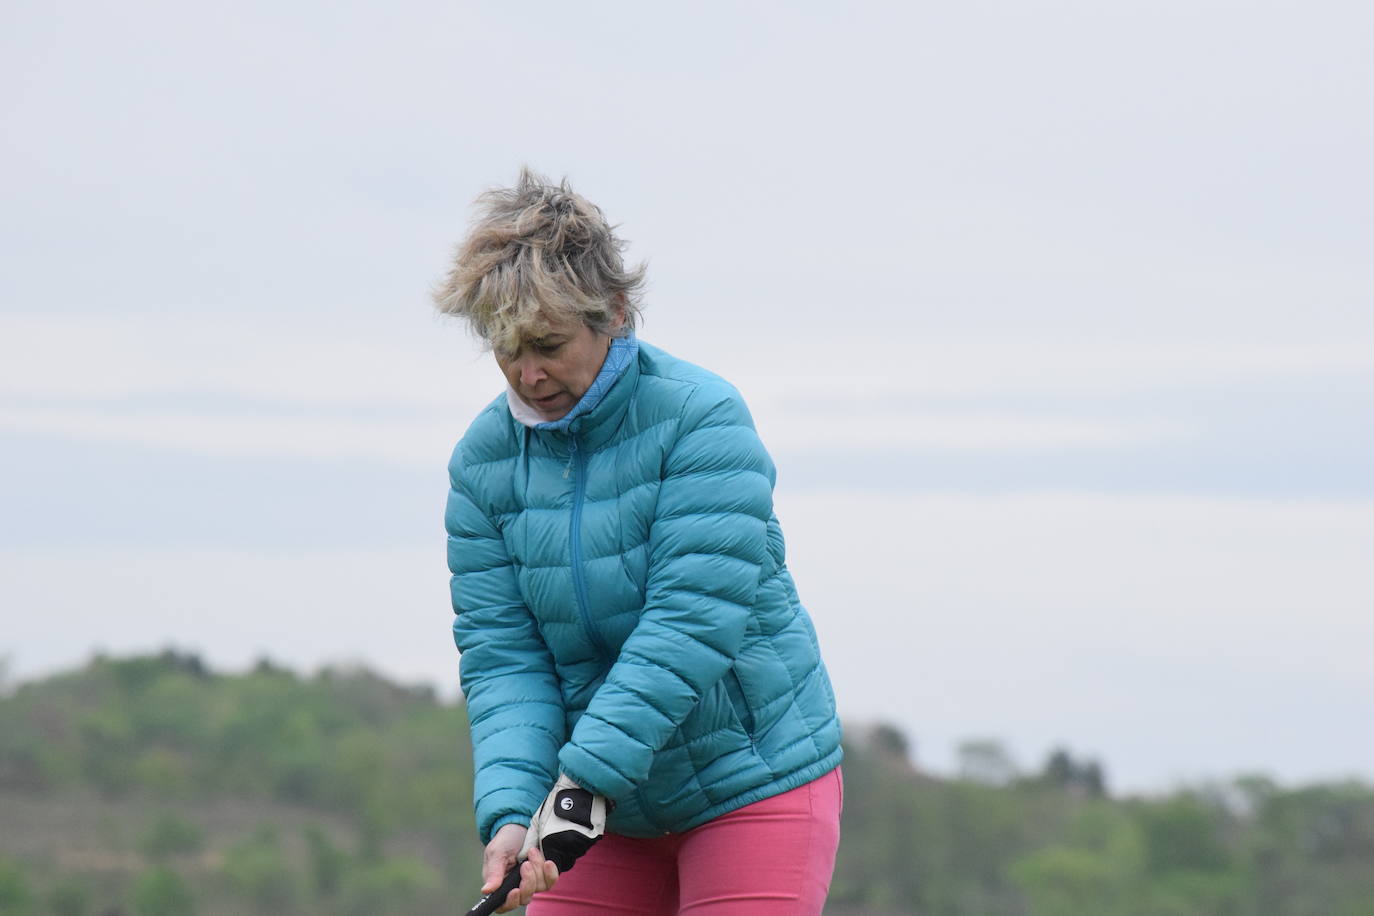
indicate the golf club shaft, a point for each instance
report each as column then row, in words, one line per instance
column 489, row 904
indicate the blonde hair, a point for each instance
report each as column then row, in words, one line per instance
column 539, row 253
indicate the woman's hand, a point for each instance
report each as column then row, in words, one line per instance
column 536, row 873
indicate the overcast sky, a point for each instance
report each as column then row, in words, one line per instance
column 1058, row 318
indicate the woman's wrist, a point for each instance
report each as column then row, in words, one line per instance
column 519, row 820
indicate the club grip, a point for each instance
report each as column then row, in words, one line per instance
column 488, row 904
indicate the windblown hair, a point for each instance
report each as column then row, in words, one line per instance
column 536, row 253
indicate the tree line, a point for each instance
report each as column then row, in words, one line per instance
column 153, row 786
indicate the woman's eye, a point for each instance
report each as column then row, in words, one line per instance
column 547, row 349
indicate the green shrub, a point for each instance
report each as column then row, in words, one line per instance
column 391, row 886
column 328, row 863
column 15, row 898
column 69, row 897
column 161, row 892
column 258, row 870
column 170, row 836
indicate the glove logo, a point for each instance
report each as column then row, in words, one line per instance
column 565, row 803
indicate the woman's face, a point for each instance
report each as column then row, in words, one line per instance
column 553, row 370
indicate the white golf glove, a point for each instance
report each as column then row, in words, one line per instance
column 566, row 825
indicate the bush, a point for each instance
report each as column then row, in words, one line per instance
column 328, row 863
column 69, row 897
column 391, row 886
column 161, row 892
column 257, row 869
column 15, row 899
column 170, row 836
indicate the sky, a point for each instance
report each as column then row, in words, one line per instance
column 1055, row 316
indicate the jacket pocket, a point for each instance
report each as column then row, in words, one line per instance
column 735, row 691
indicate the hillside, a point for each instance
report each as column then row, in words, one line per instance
column 152, row 786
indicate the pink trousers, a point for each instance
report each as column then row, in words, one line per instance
column 771, row 858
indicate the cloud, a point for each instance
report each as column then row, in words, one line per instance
column 417, row 442
column 399, row 391
column 866, row 429
column 412, row 359
column 400, row 440
column 994, row 248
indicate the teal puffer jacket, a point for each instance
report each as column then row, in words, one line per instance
column 623, row 609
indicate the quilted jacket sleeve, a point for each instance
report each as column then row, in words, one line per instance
column 707, row 546
column 514, row 704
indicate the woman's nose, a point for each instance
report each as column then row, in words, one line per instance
column 532, row 371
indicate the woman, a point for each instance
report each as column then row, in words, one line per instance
column 626, row 620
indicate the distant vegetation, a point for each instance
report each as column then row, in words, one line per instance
column 151, row 786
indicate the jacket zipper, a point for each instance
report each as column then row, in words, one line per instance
column 578, row 463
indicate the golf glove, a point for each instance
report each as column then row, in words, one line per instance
column 566, row 825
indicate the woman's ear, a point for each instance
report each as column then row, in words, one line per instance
column 619, row 321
